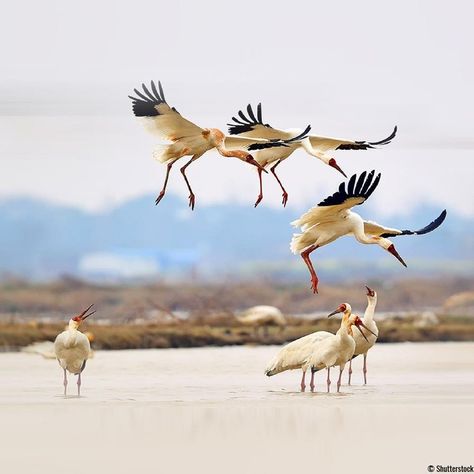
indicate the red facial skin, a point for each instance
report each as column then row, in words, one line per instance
column 332, row 162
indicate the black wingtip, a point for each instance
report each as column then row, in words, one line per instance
column 362, row 188
column 433, row 225
column 144, row 104
column 387, row 140
column 425, row 230
column 301, row 136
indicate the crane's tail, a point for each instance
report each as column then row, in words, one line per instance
column 167, row 152
column 301, row 241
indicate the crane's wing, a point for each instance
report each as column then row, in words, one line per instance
column 160, row 118
column 372, row 228
column 324, row 144
column 263, row 149
column 358, row 191
column 252, row 125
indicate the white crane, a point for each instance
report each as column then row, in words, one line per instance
column 295, row 355
column 187, row 139
column 338, row 348
column 252, row 126
column 363, row 345
column 332, row 218
column 72, row 349
column 298, row 354
column 262, row 316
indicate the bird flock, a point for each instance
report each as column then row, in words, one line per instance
column 263, row 146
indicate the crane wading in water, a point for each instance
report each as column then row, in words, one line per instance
column 299, row 354
column 72, row 349
column 363, row 346
column 339, row 348
column 333, row 218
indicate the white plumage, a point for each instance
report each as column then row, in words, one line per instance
column 262, row 315
column 363, row 345
column 72, row 349
column 295, row 355
column 183, row 136
column 317, row 349
column 252, row 126
column 332, row 218
column 337, row 349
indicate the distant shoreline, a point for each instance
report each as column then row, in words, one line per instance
column 14, row 336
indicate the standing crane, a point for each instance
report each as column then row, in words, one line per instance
column 72, row 348
column 295, row 355
column 363, row 345
column 290, row 140
column 187, row 138
column 333, row 218
column 338, row 348
column 298, row 354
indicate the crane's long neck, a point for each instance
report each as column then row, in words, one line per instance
column 370, row 310
column 72, row 333
column 363, row 238
column 345, row 331
column 235, row 153
column 306, row 144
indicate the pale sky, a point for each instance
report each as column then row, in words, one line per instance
column 350, row 69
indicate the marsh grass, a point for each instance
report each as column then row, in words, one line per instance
column 13, row 336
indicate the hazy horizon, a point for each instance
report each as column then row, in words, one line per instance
column 69, row 135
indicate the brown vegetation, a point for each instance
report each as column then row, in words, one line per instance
column 58, row 300
column 185, row 315
column 186, row 334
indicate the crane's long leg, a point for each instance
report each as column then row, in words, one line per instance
column 328, row 380
column 79, row 385
column 311, row 384
column 350, row 371
column 303, row 385
column 365, row 369
column 339, row 379
column 309, row 264
column 183, row 172
column 163, row 191
column 285, row 194
column 260, row 194
column 65, row 382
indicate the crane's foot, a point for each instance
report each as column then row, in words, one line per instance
column 285, row 199
column 350, row 376
column 159, row 198
column 312, row 386
column 303, row 387
column 314, row 284
column 259, row 199
column 192, row 200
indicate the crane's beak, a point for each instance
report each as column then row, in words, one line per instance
column 340, row 309
column 360, row 323
column 363, row 335
column 332, row 162
column 250, row 159
column 393, row 251
column 83, row 315
column 370, row 292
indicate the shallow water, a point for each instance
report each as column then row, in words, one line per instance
column 213, row 407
